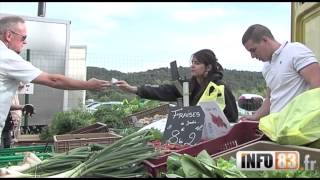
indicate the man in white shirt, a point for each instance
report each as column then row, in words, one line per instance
column 14, row 69
column 289, row 69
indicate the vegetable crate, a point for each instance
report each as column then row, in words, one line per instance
column 14, row 155
column 67, row 142
column 31, row 140
column 241, row 134
column 97, row 127
column 161, row 110
column 314, row 154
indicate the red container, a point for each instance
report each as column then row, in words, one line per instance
column 241, row 134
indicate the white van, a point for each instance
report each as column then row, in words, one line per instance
column 95, row 105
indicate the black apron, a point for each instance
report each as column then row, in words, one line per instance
column 6, row 132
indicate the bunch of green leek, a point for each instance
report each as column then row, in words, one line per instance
column 122, row 159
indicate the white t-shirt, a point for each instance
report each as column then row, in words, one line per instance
column 13, row 70
column 282, row 73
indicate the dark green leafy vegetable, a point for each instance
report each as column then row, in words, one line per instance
column 203, row 166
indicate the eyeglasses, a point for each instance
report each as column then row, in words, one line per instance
column 24, row 37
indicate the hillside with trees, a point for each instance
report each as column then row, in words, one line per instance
column 240, row 82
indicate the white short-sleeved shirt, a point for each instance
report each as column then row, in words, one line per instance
column 282, row 73
column 13, row 70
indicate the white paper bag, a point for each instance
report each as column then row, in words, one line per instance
column 216, row 123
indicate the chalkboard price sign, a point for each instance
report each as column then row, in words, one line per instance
column 184, row 125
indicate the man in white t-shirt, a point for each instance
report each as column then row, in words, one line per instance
column 14, row 69
column 289, row 69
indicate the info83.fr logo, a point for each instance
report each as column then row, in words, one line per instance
column 268, row 160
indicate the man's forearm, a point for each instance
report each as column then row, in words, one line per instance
column 62, row 82
column 16, row 107
column 263, row 110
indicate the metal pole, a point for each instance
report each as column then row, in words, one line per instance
column 185, row 93
column 26, row 97
column 42, row 9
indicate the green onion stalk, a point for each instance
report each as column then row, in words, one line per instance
column 117, row 159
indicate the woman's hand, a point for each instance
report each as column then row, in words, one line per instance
column 123, row 85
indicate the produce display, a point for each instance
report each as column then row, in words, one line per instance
column 167, row 148
column 113, row 116
column 122, row 159
column 148, row 120
column 125, row 158
column 203, row 166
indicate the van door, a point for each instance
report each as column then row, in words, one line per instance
column 305, row 25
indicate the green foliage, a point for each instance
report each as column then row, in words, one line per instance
column 242, row 82
column 174, row 165
column 290, row 174
column 127, row 131
column 110, row 116
column 113, row 116
column 184, row 165
column 46, row 134
column 64, row 122
column 156, row 133
column 137, row 105
column 114, row 95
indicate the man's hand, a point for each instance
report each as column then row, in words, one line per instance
column 28, row 110
column 248, row 118
column 97, row 84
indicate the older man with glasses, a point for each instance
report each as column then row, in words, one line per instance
column 23, row 37
column 14, row 69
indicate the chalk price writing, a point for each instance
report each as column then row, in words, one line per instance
column 174, row 138
column 192, row 136
column 184, row 125
column 179, row 115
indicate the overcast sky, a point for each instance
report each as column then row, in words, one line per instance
column 132, row 37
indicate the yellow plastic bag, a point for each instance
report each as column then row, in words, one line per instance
column 298, row 123
column 215, row 93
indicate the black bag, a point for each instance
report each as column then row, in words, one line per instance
column 6, row 132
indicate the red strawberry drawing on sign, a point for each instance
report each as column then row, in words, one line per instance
column 218, row 121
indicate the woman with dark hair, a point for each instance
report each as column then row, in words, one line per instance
column 205, row 70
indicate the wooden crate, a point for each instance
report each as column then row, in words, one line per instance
column 97, row 127
column 31, row 140
column 67, row 142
